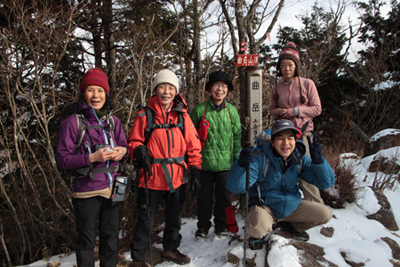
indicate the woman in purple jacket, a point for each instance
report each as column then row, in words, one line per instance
column 97, row 159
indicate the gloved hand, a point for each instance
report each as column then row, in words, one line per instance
column 140, row 153
column 246, row 157
column 315, row 149
column 194, row 184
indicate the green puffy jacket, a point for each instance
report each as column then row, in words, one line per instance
column 223, row 144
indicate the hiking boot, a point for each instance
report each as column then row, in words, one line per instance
column 255, row 244
column 136, row 263
column 221, row 230
column 201, row 233
column 175, row 256
column 289, row 231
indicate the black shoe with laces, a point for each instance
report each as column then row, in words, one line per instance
column 288, row 230
column 221, row 230
column 201, row 233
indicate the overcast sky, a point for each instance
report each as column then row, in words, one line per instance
column 287, row 17
column 294, row 8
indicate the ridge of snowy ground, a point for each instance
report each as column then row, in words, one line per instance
column 354, row 234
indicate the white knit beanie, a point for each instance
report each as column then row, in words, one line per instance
column 165, row 76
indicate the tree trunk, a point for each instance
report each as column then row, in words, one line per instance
column 109, row 40
column 94, row 29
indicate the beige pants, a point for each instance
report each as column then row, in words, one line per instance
column 310, row 192
column 307, row 215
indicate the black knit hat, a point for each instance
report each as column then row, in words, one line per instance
column 219, row 76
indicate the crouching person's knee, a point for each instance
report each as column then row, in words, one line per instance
column 325, row 215
column 259, row 222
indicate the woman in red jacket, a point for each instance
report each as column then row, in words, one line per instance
column 172, row 151
column 296, row 99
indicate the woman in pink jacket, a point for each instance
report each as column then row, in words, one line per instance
column 296, row 99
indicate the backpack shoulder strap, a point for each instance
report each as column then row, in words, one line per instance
column 81, row 121
column 82, row 127
column 112, row 124
column 300, row 166
column 181, row 123
column 265, row 166
column 264, row 174
column 150, row 123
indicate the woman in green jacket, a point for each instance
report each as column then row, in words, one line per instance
column 221, row 148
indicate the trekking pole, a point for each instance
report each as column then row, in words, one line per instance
column 246, row 208
column 148, row 169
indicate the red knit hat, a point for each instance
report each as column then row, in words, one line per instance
column 290, row 51
column 95, row 76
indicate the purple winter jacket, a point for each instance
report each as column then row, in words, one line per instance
column 68, row 158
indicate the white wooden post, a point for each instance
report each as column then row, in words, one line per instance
column 254, row 98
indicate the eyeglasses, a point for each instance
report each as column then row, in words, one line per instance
column 217, row 85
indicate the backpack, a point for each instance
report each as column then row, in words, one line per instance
column 151, row 125
column 264, row 175
column 82, row 127
column 81, row 122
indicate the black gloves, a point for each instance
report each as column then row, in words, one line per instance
column 141, row 154
column 246, row 157
column 315, row 149
column 194, row 183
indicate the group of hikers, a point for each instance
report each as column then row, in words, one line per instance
column 166, row 144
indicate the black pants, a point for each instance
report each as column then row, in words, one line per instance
column 88, row 212
column 173, row 211
column 205, row 199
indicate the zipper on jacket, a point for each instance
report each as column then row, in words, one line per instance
column 284, row 194
column 172, row 135
column 105, row 137
column 168, row 142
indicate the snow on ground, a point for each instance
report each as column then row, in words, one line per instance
column 354, row 234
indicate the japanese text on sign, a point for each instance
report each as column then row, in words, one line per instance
column 243, row 60
column 255, row 85
column 256, row 126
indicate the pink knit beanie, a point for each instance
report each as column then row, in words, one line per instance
column 290, row 51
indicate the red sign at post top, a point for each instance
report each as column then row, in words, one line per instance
column 244, row 60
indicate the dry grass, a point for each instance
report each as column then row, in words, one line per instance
column 387, row 172
column 345, row 188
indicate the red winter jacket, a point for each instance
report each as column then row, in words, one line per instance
column 166, row 143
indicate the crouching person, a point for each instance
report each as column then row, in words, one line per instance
column 274, row 194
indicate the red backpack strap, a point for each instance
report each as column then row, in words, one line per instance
column 204, row 115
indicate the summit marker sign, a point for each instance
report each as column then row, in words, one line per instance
column 245, row 60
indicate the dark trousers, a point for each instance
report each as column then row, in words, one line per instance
column 89, row 212
column 173, row 211
column 206, row 196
